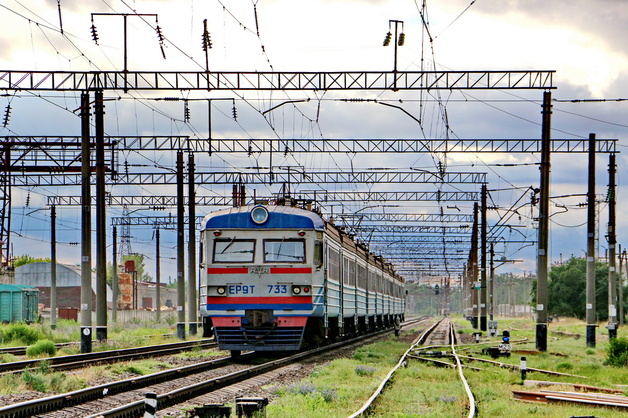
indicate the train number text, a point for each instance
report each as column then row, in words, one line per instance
column 238, row 289
column 277, row 288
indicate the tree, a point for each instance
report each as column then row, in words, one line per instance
column 566, row 288
column 139, row 268
column 27, row 259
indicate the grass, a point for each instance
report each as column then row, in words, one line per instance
column 424, row 390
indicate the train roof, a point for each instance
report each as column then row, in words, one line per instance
column 279, row 217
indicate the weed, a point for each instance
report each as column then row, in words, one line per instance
column 617, row 352
column 364, row 370
column 43, row 367
column 21, row 332
column 10, row 383
column 564, row 366
column 34, row 381
column 7, row 358
column 170, row 319
column 42, row 347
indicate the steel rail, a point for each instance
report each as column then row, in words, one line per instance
column 472, row 407
column 57, row 402
column 65, row 400
column 80, row 360
column 401, row 363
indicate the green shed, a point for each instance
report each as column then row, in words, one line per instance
column 18, row 303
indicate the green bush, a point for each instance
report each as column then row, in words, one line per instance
column 7, row 358
column 41, row 347
column 617, row 352
column 35, row 381
column 21, row 332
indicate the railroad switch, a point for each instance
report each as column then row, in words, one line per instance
column 435, row 354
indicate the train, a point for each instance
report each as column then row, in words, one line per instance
column 282, row 278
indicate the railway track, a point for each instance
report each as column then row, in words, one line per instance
column 76, row 361
column 21, row 351
column 125, row 398
column 442, row 333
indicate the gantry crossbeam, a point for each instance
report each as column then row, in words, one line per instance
column 403, row 217
column 285, row 81
column 359, row 177
column 318, row 197
column 330, row 145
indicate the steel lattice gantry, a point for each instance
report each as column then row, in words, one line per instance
column 284, row 81
column 360, row 177
column 33, row 148
column 314, row 196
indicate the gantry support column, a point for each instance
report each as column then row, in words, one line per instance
column 86, row 229
column 543, row 245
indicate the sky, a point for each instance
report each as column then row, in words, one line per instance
column 583, row 41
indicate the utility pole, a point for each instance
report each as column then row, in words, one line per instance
column 86, row 229
column 474, row 267
column 53, row 267
column 543, row 245
column 491, row 281
column 621, row 287
column 114, row 279
column 180, row 250
column 101, row 228
column 483, row 278
column 590, row 275
column 192, row 299
column 612, row 255
column 158, row 275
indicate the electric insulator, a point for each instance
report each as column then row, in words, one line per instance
column 610, row 195
column 235, row 113
column 207, row 41
column 161, row 39
column 387, row 39
column 402, row 39
column 160, row 36
column 94, row 34
column 186, row 113
column 7, row 115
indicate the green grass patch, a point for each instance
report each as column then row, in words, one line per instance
column 42, row 348
column 424, row 390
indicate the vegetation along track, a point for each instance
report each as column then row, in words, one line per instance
column 442, row 333
column 76, row 361
column 173, row 386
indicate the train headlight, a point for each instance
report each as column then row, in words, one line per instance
column 221, row 290
column 296, row 290
column 259, row 214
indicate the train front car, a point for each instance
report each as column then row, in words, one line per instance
column 261, row 276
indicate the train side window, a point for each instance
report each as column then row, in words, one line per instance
column 318, row 254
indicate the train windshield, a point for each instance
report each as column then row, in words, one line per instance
column 234, row 250
column 284, row 251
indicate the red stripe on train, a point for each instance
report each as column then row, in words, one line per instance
column 228, row 270
column 290, row 270
column 265, row 300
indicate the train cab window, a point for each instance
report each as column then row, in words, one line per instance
column 234, row 250
column 284, row 251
